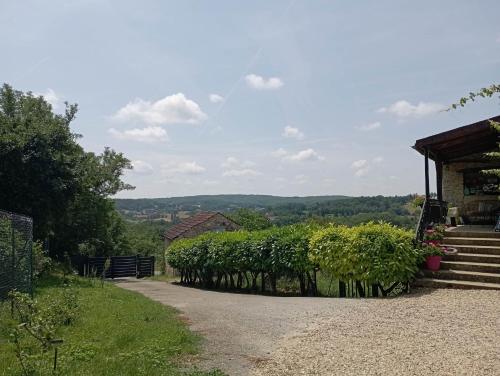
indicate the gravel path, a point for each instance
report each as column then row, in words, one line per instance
column 442, row 332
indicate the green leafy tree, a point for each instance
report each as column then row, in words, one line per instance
column 46, row 174
column 250, row 219
column 485, row 92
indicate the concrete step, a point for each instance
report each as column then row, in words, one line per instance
column 471, row 266
column 474, row 257
column 462, row 275
column 491, row 242
column 472, row 234
column 483, row 249
column 455, row 284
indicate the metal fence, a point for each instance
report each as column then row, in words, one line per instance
column 16, row 247
column 119, row 266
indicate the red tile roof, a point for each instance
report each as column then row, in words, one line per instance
column 186, row 225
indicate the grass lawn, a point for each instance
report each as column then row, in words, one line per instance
column 117, row 332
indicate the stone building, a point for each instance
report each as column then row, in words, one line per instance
column 459, row 157
column 198, row 224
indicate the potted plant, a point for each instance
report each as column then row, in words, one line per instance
column 433, row 256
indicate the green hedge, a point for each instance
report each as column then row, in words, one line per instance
column 375, row 253
column 242, row 258
column 372, row 252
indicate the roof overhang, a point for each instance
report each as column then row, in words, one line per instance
column 460, row 142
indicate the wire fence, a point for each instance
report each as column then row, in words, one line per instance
column 16, row 253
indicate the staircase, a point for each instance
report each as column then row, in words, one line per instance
column 476, row 266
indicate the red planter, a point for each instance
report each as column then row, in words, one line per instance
column 433, row 262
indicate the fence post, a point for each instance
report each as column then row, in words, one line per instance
column 137, row 268
column 13, row 272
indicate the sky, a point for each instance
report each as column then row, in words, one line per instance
column 289, row 98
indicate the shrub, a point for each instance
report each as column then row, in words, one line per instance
column 373, row 252
column 238, row 258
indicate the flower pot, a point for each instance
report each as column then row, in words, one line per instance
column 433, row 262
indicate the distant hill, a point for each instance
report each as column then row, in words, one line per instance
column 281, row 210
column 218, row 202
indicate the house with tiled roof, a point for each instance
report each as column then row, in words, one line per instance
column 198, row 224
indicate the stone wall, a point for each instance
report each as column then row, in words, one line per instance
column 453, row 189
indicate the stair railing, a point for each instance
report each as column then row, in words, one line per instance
column 433, row 211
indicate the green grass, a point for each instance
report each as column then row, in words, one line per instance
column 117, row 332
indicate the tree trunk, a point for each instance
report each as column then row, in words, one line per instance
column 361, row 290
column 272, row 281
column 239, row 280
column 302, row 284
column 247, row 281
column 219, row 279
column 342, row 289
column 254, row 281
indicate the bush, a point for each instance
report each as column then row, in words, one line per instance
column 240, row 257
column 376, row 253
column 373, row 253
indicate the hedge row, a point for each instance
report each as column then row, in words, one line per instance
column 376, row 253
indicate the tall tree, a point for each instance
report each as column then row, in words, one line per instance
column 46, row 174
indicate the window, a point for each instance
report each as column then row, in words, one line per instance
column 477, row 183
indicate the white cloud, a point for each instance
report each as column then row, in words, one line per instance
column 370, row 126
column 242, row 172
column 216, row 98
column 303, row 155
column 361, row 172
column 142, row 168
column 359, row 164
column 172, row 109
column 148, row 134
column 189, row 168
column 362, row 166
column 51, row 97
column 291, row 132
column 232, row 162
column 405, row 109
column 260, row 83
column 279, row 153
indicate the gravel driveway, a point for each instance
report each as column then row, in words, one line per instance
column 442, row 332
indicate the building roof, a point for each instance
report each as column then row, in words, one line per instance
column 186, row 225
column 470, row 139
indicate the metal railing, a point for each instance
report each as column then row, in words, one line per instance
column 433, row 212
column 16, row 253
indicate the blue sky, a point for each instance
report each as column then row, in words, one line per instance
column 272, row 97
